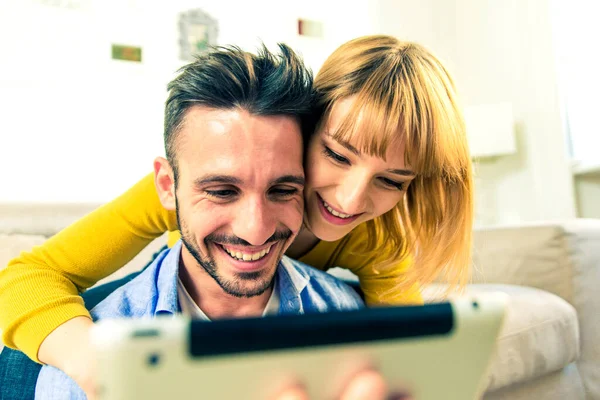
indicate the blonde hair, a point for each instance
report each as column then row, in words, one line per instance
column 401, row 86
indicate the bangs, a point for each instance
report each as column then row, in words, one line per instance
column 401, row 93
column 399, row 102
column 369, row 127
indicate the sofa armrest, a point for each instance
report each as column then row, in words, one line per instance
column 40, row 219
column 562, row 258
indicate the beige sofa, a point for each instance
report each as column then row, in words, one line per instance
column 550, row 344
column 549, row 347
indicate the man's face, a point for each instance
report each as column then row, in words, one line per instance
column 238, row 194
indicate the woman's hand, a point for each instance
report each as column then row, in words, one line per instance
column 68, row 348
column 365, row 385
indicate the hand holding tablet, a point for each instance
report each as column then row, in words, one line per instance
column 436, row 351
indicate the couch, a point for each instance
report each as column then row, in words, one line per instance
column 549, row 347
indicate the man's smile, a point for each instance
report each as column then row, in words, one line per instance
column 247, row 254
column 244, row 259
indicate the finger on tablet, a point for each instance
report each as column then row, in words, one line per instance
column 365, row 385
column 292, row 392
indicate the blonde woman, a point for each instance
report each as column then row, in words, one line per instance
column 388, row 196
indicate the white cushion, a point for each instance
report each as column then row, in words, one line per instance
column 535, row 256
column 540, row 333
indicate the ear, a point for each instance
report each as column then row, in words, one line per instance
column 164, row 179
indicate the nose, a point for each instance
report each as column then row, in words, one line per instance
column 255, row 222
column 352, row 193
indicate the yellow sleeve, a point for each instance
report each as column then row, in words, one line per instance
column 380, row 286
column 39, row 289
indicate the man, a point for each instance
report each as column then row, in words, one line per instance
column 234, row 174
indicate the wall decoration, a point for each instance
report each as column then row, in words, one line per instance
column 197, row 33
column 126, row 53
column 310, row 28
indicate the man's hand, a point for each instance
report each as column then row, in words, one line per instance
column 68, row 348
column 366, row 385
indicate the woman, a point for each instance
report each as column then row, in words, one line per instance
column 389, row 185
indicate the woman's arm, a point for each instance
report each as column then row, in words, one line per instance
column 39, row 290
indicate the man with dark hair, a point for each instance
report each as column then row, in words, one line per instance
column 234, row 173
column 264, row 84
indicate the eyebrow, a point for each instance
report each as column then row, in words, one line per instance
column 232, row 180
column 297, row 179
column 225, row 179
column 347, row 146
column 402, row 172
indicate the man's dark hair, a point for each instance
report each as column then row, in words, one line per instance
column 228, row 77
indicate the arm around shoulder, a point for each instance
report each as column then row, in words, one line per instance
column 39, row 290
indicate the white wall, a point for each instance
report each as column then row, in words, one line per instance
column 80, row 127
column 57, row 65
column 501, row 51
column 76, row 126
column 506, row 53
column 577, row 32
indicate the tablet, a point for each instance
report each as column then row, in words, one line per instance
column 436, row 351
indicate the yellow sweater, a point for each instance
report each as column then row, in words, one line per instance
column 39, row 289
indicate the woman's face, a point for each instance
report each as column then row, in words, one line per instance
column 346, row 187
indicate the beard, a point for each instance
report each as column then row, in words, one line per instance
column 244, row 284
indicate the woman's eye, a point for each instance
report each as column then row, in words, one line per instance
column 393, row 184
column 335, row 156
column 221, row 194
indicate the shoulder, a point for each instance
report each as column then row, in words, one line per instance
column 367, row 254
column 136, row 298
column 321, row 287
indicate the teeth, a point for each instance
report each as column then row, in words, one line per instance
column 259, row 255
column 247, row 256
column 337, row 214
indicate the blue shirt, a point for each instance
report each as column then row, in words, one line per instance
column 302, row 289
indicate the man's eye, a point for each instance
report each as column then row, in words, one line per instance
column 283, row 192
column 221, row 194
column 335, row 156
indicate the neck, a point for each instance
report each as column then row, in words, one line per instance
column 304, row 242
column 211, row 298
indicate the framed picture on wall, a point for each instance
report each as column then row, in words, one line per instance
column 197, row 32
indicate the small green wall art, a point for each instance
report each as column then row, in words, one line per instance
column 197, row 33
column 126, row 53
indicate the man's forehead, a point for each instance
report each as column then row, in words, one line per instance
column 199, row 118
column 232, row 126
column 237, row 143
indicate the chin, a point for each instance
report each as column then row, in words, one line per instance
column 327, row 233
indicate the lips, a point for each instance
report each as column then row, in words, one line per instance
column 333, row 216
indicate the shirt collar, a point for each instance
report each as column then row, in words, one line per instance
column 291, row 281
column 166, row 282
